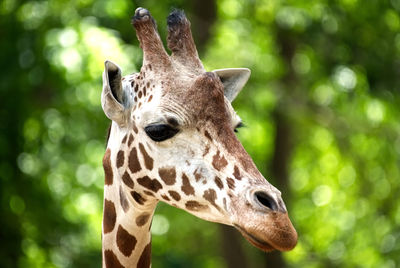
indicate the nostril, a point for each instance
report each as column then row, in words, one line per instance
column 266, row 201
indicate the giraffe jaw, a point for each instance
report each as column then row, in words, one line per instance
column 265, row 246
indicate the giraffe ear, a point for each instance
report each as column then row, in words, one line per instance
column 234, row 80
column 112, row 95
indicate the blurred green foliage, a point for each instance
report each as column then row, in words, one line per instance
column 328, row 70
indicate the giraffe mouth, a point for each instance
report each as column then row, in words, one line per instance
column 263, row 245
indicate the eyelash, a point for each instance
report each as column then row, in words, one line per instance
column 240, row 125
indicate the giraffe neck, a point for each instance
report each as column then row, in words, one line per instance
column 126, row 237
column 128, row 244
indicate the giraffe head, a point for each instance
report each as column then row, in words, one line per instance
column 172, row 139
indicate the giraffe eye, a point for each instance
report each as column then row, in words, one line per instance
column 238, row 126
column 160, row 132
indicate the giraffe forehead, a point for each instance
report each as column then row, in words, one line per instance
column 200, row 100
column 189, row 106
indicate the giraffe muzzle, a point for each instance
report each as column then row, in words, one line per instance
column 275, row 233
column 263, row 220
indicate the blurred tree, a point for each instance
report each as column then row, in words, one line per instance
column 321, row 109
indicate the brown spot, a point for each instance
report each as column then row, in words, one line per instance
column 125, row 241
column 122, row 199
column 138, row 198
column 134, row 164
column 144, row 91
column 149, row 66
column 127, row 180
column 218, row 182
column 148, row 84
column 120, row 159
column 130, row 140
column 210, row 195
column 136, row 88
column 135, row 99
column 125, row 138
column 111, row 260
column 134, row 127
column 140, row 94
column 168, row 175
column 148, row 161
column 207, row 134
column 148, row 193
column 231, row 183
column 132, row 83
column 175, row 195
column 197, row 175
column 224, row 200
column 236, row 173
column 206, row 150
column 150, row 98
column 248, row 205
column 145, row 257
column 172, row 121
column 142, row 219
column 165, row 197
column 109, row 216
column 151, row 184
column 108, row 173
column 186, row 187
column 140, row 104
column 195, row 206
column 219, row 162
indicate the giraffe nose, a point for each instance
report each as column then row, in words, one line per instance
column 269, row 201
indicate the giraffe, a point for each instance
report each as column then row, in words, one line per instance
column 172, row 139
